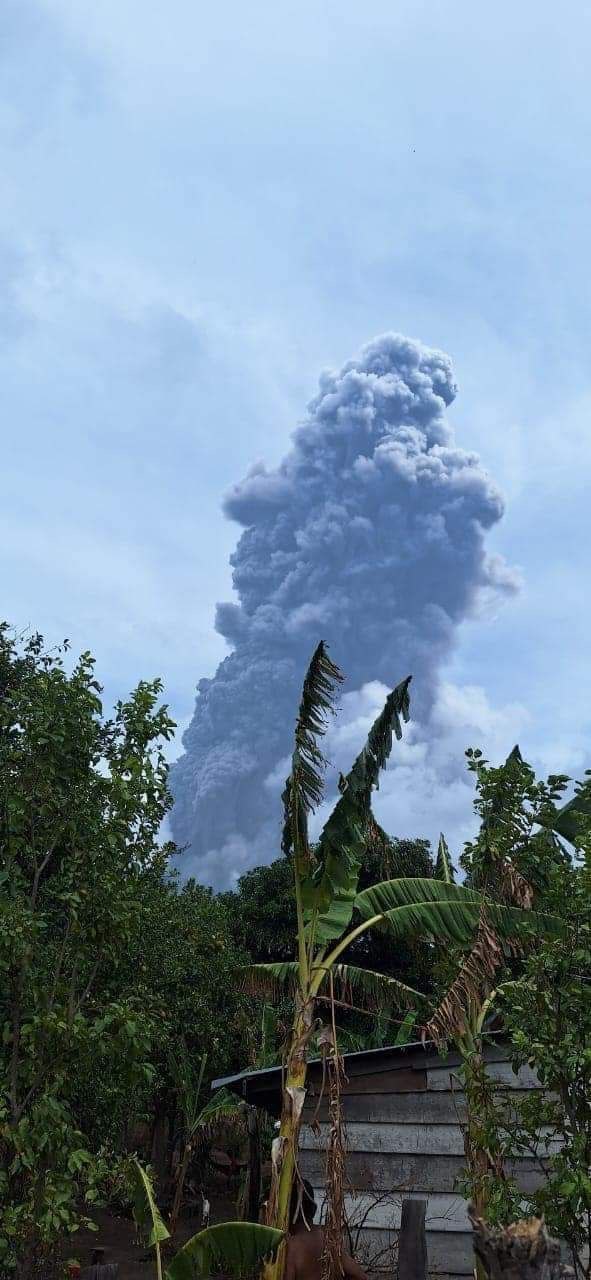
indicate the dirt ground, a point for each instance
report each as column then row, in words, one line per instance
column 118, row 1235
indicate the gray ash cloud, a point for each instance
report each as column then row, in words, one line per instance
column 370, row 534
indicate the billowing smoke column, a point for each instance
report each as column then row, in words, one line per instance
column 369, row 535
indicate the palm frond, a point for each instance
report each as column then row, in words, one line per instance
column 304, row 787
column 233, row 1248
column 329, row 892
column 444, row 868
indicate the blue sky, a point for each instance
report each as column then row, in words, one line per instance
column 202, row 207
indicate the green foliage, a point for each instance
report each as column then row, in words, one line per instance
column 263, row 921
column 548, row 1016
column 81, row 803
column 237, row 1248
column 233, row 1247
column 304, row 787
column 512, row 804
column 446, row 911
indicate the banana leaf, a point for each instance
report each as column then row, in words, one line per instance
column 450, row 912
column 328, row 893
column 378, row 989
column 444, row 869
column 236, row 1248
column 145, row 1210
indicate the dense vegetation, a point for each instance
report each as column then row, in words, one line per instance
column 119, row 983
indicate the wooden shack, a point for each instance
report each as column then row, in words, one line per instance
column 403, row 1110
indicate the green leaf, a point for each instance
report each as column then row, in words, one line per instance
column 145, row 1210
column 270, row 978
column 571, row 818
column 405, row 1029
column 304, row 787
column 329, row 892
column 233, row 1247
column 444, row 869
column 445, row 911
column 377, row 989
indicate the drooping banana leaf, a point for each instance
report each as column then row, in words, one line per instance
column 328, row 893
column 269, row 979
column 234, row 1248
column 451, row 912
column 444, row 868
column 145, row 1210
column 304, row 787
column 378, row 989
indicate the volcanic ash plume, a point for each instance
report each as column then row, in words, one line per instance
column 369, row 535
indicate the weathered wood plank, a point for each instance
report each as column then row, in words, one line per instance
column 444, row 1212
column 404, row 1139
column 444, row 1078
column 367, row 1171
column 415, row 1108
column 441, row 1139
column 437, row 1107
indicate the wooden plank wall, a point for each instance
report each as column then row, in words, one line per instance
column 403, row 1120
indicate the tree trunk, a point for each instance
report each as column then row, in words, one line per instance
column 177, row 1203
column 251, row 1203
column 286, row 1144
column 522, row 1251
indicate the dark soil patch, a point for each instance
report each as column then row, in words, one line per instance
column 118, row 1235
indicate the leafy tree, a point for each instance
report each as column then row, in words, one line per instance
column 546, row 1007
column 82, row 800
column 512, row 858
column 183, row 962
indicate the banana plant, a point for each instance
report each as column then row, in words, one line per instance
column 199, row 1120
column 326, row 878
column 235, row 1248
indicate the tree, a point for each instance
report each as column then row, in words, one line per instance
column 546, row 1009
column 182, row 961
column 512, row 857
column 82, row 800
